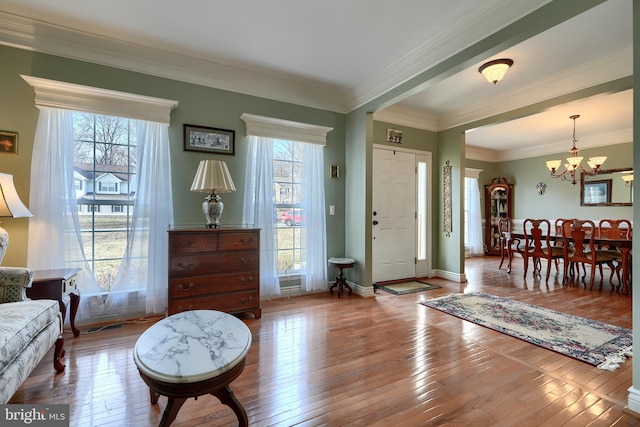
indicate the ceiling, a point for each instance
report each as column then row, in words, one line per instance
column 339, row 55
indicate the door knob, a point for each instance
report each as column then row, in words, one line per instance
column 375, row 222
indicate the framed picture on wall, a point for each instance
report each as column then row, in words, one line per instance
column 209, row 140
column 597, row 191
column 8, row 142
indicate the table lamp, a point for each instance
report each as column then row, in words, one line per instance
column 10, row 207
column 212, row 177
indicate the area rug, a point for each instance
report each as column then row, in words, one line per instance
column 600, row 344
column 406, row 287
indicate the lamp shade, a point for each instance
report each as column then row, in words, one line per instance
column 10, row 203
column 495, row 70
column 212, row 176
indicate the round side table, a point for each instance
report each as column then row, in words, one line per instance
column 191, row 354
column 341, row 283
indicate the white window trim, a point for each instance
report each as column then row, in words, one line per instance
column 69, row 96
column 269, row 127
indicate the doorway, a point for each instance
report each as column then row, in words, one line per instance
column 401, row 216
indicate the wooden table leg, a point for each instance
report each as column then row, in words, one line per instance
column 153, row 396
column 624, row 288
column 171, row 411
column 75, row 303
column 227, row 397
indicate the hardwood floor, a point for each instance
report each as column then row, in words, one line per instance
column 384, row 361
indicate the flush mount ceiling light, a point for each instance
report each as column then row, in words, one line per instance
column 574, row 163
column 494, row 70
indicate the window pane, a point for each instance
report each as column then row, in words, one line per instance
column 104, row 165
column 290, row 217
column 422, row 210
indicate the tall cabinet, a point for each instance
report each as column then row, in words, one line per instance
column 499, row 204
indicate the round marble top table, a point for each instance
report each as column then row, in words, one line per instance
column 191, row 354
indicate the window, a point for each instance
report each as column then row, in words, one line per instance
column 107, row 187
column 71, row 145
column 288, row 172
column 104, row 150
column 473, row 240
column 285, row 179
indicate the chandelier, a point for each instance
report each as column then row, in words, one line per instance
column 574, row 163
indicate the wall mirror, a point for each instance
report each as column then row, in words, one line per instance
column 607, row 188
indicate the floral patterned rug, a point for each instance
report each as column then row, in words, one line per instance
column 600, row 344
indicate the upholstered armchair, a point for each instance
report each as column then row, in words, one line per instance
column 14, row 281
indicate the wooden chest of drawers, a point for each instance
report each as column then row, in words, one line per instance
column 214, row 269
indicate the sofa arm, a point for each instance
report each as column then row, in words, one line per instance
column 14, row 282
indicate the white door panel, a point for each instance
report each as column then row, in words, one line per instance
column 394, row 234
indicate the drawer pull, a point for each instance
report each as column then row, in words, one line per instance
column 246, row 300
column 180, row 308
column 185, row 244
column 245, row 242
column 186, row 286
column 246, row 261
column 184, row 266
column 246, row 280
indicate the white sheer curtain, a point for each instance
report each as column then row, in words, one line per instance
column 141, row 283
column 474, row 219
column 315, row 278
column 259, row 208
column 54, row 230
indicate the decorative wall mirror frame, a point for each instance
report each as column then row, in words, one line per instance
column 606, row 188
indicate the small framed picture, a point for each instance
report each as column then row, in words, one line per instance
column 394, row 135
column 334, row 171
column 8, row 142
column 209, row 140
column 597, row 192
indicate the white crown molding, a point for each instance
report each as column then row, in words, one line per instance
column 478, row 153
column 23, row 33
column 558, row 148
column 489, row 17
column 410, row 117
column 605, row 69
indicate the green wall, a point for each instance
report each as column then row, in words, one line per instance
column 561, row 199
column 196, row 105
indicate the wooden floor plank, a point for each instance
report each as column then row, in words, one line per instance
column 320, row 360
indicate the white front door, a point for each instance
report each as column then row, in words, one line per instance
column 394, row 215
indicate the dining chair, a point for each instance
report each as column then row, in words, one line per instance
column 538, row 246
column 615, row 229
column 504, row 228
column 558, row 241
column 579, row 235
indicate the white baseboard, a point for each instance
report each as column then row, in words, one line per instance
column 633, row 401
column 449, row 275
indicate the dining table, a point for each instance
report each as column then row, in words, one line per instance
column 622, row 243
